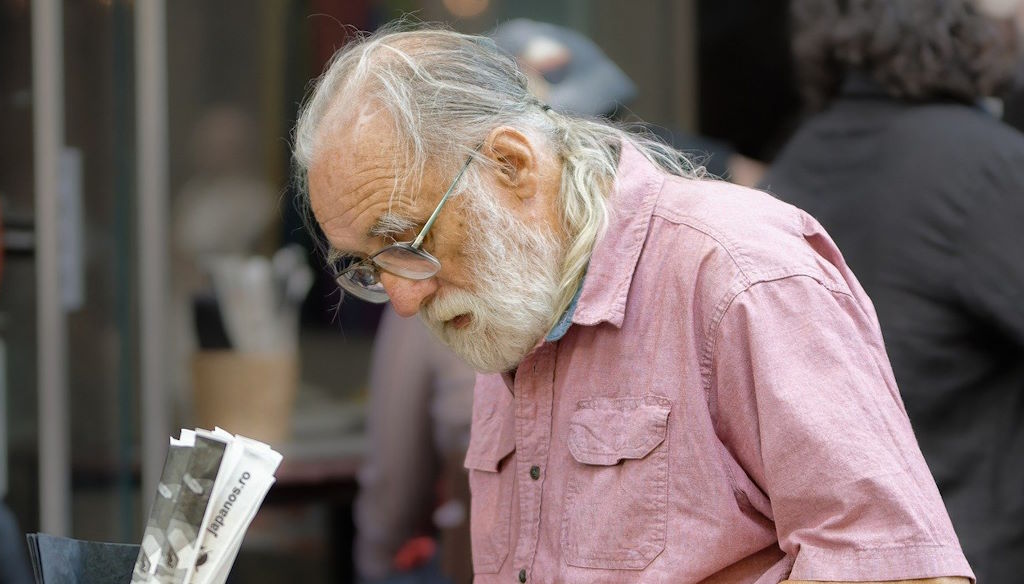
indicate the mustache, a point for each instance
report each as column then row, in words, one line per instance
column 452, row 304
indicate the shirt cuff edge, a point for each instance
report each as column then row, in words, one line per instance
column 891, row 563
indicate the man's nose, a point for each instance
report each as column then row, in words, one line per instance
column 406, row 295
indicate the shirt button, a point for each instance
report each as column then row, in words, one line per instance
column 534, row 474
column 522, row 575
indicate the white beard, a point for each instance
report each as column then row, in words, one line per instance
column 516, row 267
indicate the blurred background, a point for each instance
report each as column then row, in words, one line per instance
column 161, row 131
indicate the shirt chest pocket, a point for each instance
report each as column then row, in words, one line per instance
column 616, row 499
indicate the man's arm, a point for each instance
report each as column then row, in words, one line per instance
column 806, row 402
column 943, row 580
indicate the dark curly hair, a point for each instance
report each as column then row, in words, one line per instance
column 915, row 49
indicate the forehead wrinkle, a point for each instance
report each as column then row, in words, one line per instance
column 378, row 168
column 352, row 224
column 367, row 135
column 344, row 197
column 358, row 227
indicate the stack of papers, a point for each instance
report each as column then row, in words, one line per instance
column 212, row 485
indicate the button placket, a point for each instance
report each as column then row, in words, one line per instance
column 533, row 427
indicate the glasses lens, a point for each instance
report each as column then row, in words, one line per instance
column 404, row 260
column 363, row 283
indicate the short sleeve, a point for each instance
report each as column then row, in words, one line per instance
column 806, row 402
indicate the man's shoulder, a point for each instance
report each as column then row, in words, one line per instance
column 760, row 235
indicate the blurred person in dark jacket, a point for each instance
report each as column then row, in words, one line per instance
column 923, row 190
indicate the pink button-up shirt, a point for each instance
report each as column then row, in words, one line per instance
column 722, row 409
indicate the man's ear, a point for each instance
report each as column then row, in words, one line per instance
column 516, row 159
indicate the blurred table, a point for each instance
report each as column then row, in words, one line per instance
column 319, row 468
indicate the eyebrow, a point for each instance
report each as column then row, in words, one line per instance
column 390, row 224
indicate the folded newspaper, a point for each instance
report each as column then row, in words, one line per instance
column 212, row 485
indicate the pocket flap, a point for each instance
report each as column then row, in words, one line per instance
column 604, row 431
column 492, row 437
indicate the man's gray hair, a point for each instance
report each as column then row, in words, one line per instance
column 444, row 92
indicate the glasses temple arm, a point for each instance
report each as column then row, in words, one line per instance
column 437, row 210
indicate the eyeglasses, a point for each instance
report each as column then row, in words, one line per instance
column 403, row 259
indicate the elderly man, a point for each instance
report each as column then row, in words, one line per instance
column 684, row 382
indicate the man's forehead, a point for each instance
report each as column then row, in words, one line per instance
column 354, row 193
column 355, row 157
column 352, row 137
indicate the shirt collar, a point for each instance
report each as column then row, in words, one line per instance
column 563, row 324
column 602, row 294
